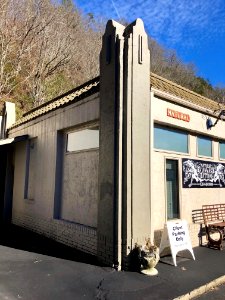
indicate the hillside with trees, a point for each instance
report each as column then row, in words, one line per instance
column 167, row 64
column 47, row 48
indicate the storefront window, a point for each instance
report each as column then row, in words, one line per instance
column 170, row 139
column 204, row 146
column 222, row 149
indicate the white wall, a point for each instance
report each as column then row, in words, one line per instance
column 190, row 198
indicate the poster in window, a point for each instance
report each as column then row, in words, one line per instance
column 202, row 174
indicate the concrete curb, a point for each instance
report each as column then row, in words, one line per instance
column 202, row 289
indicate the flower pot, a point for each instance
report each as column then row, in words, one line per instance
column 150, row 258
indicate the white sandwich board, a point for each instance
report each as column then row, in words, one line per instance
column 176, row 237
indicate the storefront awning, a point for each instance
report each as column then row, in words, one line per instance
column 13, row 140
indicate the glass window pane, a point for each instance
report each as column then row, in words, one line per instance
column 204, row 146
column 172, row 189
column 222, row 149
column 170, row 139
column 83, row 139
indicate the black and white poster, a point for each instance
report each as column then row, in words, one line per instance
column 202, row 174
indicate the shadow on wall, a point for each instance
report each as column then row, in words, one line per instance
column 20, row 238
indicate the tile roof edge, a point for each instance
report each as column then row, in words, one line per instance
column 182, row 101
column 97, row 78
column 96, row 81
column 63, row 95
column 180, row 86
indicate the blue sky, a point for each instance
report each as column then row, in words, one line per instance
column 194, row 28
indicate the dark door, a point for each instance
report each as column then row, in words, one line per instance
column 172, row 189
column 6, row 182
column 3, row 163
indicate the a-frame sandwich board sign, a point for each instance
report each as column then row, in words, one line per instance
column 176, row 237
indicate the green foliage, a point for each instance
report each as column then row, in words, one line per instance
column 57, row 85
column 202, row 86
column 46, row 49
column 167, row 64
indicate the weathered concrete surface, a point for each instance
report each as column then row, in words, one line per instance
column 124, row 153
column 80, row 187
column 110, row 150
column 27, row 274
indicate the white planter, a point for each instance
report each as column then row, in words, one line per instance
column 150, row 258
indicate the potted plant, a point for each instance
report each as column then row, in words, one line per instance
column 149, row 257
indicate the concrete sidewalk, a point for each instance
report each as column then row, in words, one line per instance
column 36, row 273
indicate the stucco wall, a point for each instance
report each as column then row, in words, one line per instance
column 80, row 187
column 81, row 191
column 190, row 198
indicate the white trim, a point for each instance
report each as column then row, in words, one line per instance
column 6, row 141
column 183, row 102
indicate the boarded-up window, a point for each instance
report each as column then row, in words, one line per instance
column 80, row 177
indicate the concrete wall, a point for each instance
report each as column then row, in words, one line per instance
column 37, row 212
column 131, row 203
column 8, row 118
column 80, row 187
column 78, row 223
column 190, row 199
column 124, row 166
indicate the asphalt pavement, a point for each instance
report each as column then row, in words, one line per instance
column 216, row 293
column 33, row 267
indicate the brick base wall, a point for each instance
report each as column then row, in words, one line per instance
column 85, row 238
column 74, row 235
column 105, row 250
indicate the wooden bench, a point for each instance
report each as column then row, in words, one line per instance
column 214, row 220
column 197, row 218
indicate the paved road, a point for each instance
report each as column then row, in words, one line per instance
column 218, row 293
